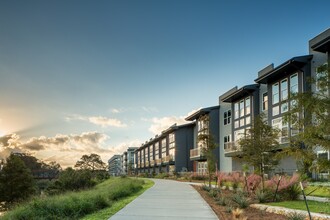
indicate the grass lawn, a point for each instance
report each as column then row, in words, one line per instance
column 321, row 191
column 319, row 207
column 117, row 205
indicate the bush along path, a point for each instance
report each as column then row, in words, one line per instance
column 75, row 205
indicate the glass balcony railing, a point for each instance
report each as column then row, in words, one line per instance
column 232, row 147
column 197, row 154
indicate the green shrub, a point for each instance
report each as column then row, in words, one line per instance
column 222, row 201
column 213, row 193
column 241, row 200
column 75, row 205
column 296, row 216
column 265, row 196
column 206, row 188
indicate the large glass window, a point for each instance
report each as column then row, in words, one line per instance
column 236, row 125
column 156, row 150
column 236, row 110
column 276, row 110
column 294, row 83
column 164, row 148
column 247, row 106
column 241, row 108
column 265, row 101
column 275, row 91
column 248, row 120
column 284, row 89
column 151, row 152
column 171, row 138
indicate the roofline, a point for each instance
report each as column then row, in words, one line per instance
column 283, row 65
column 201, row 111
column 252, row 87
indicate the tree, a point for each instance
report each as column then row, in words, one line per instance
column 16, row 180
column 309, row 113
column 259, row 146
column 90, row 162
column 208, row 145
column 40, row 169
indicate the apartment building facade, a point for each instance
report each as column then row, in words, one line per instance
column 207, row 122
column 115, row 165
column 128, row 160
column 166, row 152
column 271, row 97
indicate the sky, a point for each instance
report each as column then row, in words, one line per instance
column 81, row 77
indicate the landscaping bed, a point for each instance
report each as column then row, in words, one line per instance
column 225, row 212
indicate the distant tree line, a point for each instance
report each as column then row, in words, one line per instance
column 23, row 176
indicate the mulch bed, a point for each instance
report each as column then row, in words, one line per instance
column 248, row 213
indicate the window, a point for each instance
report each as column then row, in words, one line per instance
column 151, row 152
column 236, row 110
column 171, row 152
column 321, row 76
column 265, row 101
column 248, row 120
column 241, row 122
column 227, row 117
column 226, row 138
column 236, row 125
column 171, row 138
column 239, row 134
column 241, row 108
column 275, row 91
column 247, row 106
column 294, row 83
column 276, row 110
column 164, row 148
column 157, row 150
column 284, row 89
column 284, row 107
column 284, row 133
column 294, row 125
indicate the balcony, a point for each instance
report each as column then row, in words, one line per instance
column 152, row 163
column 168, row 159
column 158, row 161
column 147, row 163
column 232, row 149
column 197, row 154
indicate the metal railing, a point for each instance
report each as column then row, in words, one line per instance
column 197, row 152
column 232, row 147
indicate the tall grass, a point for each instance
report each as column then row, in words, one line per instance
column 75, row 205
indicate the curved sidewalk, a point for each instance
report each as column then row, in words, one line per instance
column 167, row 199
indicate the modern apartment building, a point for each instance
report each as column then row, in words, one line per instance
column 166, row 152
column 269, row 96
column 207, row 122
column 115, row 165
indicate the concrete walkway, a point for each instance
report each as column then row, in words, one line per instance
column 167, row 199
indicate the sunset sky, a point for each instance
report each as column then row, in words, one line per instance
column 81, row 77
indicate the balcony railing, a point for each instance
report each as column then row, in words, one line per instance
column 197, row 154
column 232, row 147
column 158, row 161
column 168, row 158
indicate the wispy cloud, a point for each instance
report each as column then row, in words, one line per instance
column 106, row 122
column 115, row 110
column 149, row 109
column 160, row 124
column 98, row 120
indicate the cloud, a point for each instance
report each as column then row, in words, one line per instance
column 97, row 120
column 160, row 124
column 106, row 122
column 66, row 149
column 116, row 111
column 149, row 109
